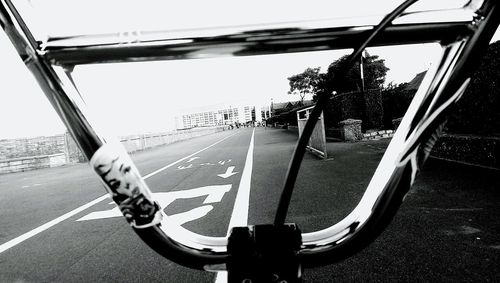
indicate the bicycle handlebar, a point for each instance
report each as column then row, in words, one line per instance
column 462, row 42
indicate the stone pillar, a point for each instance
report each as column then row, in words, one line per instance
column 72, row 151
column 350, row 130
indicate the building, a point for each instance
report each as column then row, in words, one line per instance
column 201, row 119
column 222, row 116
column 265, row 112
column 414, row 84
column 282, row 107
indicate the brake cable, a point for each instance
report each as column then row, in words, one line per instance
column 323, row 97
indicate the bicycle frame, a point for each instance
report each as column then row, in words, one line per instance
column 462, row 38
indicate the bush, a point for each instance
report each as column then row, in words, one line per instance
column 365, row 106
column 343, row 106
column 374, row 110
column 396, row 99
column 477, row 112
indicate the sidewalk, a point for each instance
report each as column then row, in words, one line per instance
column 447, row 230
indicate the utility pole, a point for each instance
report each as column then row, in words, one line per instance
column 271, row 109
column 361, row 71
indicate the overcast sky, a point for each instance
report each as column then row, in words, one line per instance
column 144, row 97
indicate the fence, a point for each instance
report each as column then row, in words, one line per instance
column 135, row 143
column 68, row 152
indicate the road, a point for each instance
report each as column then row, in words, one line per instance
column 57, row 225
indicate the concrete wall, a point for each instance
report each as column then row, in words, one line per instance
column 27, row 147
column 72, row 153
column 133, row 143
column 32, row 162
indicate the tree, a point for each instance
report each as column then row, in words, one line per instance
column 304, row 83
column 352, row 99
column 311, row 81
column 374, row 71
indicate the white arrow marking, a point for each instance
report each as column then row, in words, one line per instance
column 206, row 164
column 115, row 212
column 229, row 172
column 192, row 158
column 179, row 218
column 222, row 162
column 213, row 193
column 180, row 167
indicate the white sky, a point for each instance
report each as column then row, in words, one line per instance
column 97, row 16
column 144, row 97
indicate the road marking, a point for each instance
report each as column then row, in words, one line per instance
column 7, row 245
column 229, row 173
column 192, row 158
column 213, row 194
column 179, row 218
column 222, row 162
column 49, row 224
column 193, row 214
column 181, row 167
column 221, row 277
column 189, row 156
column 240, row 210
column 242, row 202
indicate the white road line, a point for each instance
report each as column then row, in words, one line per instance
column 49, row 224
column 240, row 210
column 182, row 159
column 27, row 235
column 242, row 202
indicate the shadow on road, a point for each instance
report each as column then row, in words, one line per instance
column 446, row 230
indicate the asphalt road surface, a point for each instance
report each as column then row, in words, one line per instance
column 57, row 225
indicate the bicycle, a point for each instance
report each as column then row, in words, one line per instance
column 280, row 250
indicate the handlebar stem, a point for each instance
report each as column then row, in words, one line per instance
column 264, row 253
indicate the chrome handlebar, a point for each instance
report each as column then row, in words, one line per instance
column 462, row 39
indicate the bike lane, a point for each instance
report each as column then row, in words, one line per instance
column 108, row 248
column 202, row 190
column 199, row 192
